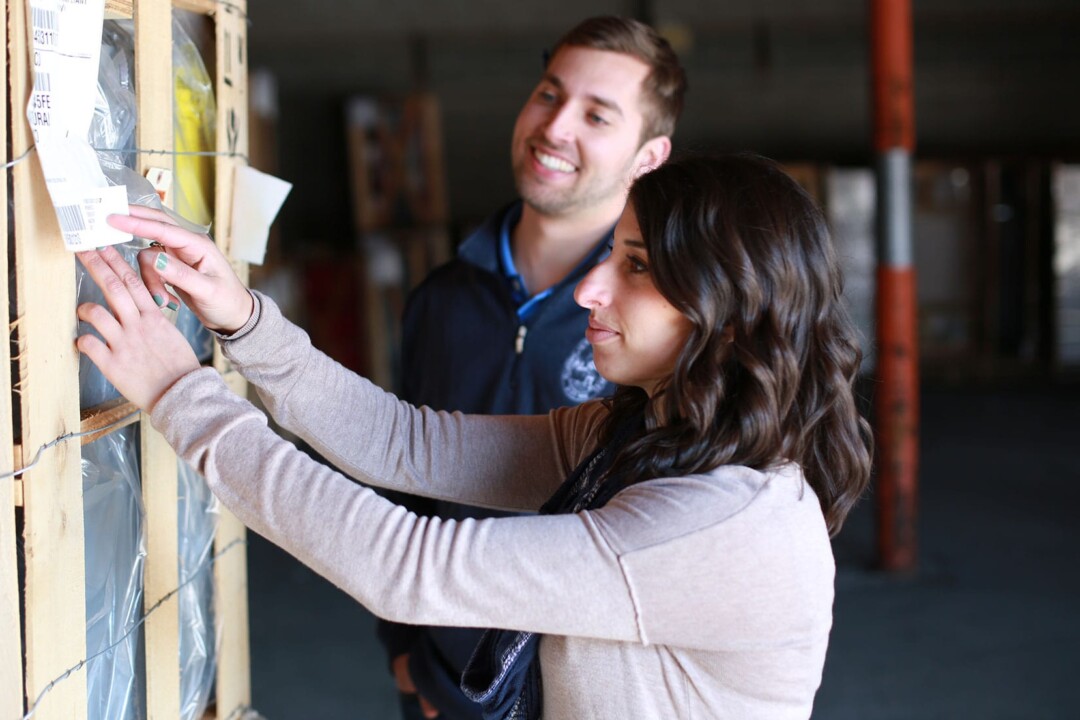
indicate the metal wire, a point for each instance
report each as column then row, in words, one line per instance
column 78, row 666
column 63, row 438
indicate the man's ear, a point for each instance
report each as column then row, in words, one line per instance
column 652, row 154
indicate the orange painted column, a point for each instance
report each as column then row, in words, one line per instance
column 897, row 394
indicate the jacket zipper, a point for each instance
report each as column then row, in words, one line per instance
column 519, row 343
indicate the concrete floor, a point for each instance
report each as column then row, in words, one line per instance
column 988, row 628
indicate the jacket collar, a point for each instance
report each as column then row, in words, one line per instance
column 481, row 248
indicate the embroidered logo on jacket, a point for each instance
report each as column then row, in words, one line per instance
column 580, row 379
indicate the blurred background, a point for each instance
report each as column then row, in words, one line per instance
column 393, row 123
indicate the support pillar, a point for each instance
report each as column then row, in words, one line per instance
column 897, row 396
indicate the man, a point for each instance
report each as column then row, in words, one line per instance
column 496, row 330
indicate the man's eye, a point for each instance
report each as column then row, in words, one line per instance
column 596, row 119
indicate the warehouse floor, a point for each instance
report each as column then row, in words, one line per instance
column 988, row 628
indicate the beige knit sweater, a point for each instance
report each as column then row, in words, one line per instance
column 708, row 596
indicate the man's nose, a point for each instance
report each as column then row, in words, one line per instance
column 558, row 129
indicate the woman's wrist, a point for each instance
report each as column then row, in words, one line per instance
column 247, row 326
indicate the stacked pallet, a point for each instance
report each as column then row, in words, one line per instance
column 49, row 533
column 400, row 211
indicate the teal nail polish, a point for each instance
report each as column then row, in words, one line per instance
column 173, row 306
column 158, row 300
column 162, row 261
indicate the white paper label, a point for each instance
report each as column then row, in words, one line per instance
column 257, row 198
column 66, row 43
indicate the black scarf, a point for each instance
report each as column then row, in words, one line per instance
column 503, row 674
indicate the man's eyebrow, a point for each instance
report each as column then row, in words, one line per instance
column 601, row 101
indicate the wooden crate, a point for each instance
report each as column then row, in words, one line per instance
column 400, row 212
column 53, row 612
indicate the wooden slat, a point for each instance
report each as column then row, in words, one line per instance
column 119, row 9
column 55, row 621
column 233, row 689
column 162, row 575
column 230, row 605
column 11, row 685
column 154, row 95
column 428, row 198
column 231, row 78
column 231, row 91
column 203, row 7
column 102, row 419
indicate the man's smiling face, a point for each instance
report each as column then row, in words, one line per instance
column 577, row 139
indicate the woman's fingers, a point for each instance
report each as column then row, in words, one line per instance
column 148, row 213
column 96, row 350
column 174, row 271
column 130, row 278
column 160, row 293
column 193, row 267
column 100, row 319
column 116, row 290
column 191, row 247
column 159, row 268
column 142, row 353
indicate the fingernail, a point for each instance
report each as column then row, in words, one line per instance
column 158, row 300
column 162, row 261
column 173, row 306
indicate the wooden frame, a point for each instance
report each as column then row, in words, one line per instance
column 11, row 683
column 396, row 158
column 46, row 396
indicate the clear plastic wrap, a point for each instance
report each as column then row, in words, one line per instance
column 198, row 518
column 112, row 133
column 194, row 130
column 94, row 389
column 115, row 547
column 114, row 557
column 112, row 130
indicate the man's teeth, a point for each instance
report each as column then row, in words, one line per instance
column 554, row 163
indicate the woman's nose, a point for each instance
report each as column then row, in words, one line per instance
column 592, row 290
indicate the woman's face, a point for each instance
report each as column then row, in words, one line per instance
column 635, row 333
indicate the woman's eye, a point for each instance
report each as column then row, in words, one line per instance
column 597, row 119
column 637, row 265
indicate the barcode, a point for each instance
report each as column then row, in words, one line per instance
column 44, row 19
column 42, row 82
column 71, row 218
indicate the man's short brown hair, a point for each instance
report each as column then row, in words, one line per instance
column 663, row 87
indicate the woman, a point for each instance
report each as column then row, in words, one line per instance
column 681, row 566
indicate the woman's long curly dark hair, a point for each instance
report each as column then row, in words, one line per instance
column 766, row 374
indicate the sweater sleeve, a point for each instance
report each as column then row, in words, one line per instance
column 507, row 463
column 552, row 574
column 736, row 559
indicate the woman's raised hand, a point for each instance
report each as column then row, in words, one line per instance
column 143, row 353
column 192, row 265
